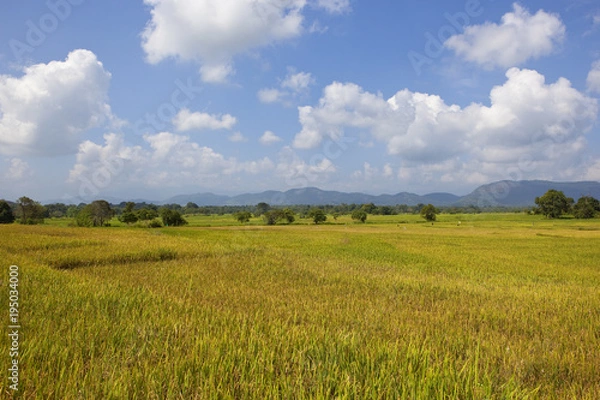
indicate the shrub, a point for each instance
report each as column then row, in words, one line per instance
column 429, row 212
column 317, row 215
column 155, row 224
column 242, row 216
column 172, row 217
column 359, row 215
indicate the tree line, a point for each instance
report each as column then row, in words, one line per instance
column 553, row 204
column 97, row 213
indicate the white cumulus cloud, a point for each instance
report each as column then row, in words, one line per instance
column 270, row 95
column 291, row 87
column 45, row 111
column 296, row 172
column 17, row 170
column 269, row 138
column 593, row 78
column 519, row 37
column 237, row 137
column 593, row 171
column 213, row 32
column 216, row 73
column 334, row 6
column 297, row 82
column 530, row 124
column 165, row 160
column 186, row 120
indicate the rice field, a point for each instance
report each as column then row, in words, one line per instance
column 498, row 306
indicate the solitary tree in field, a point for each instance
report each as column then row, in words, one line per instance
column 317, row 215
column 553, row 204
column 6, row 213
column 30, row 212
column 586, row 207
column 242, row 216
column 429, row 212
column 359, row 215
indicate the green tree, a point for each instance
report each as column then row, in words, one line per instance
column 30, row 212
column 192, row 208
column 101, row 212
column 97, row 213
column 289, row 215
column 204, row 210
column 553, row 204
column 262, row 208
column 56, row 210
column 317, row 215
column 72, row 211
column 276, row 215
column 271, row 217
column 128, row 216
column 586, row 207
column 242, row 216
column 369, row 208
column 429, row 212
column 84, row 216
column 385, row 210
column 172, row 217
column 359, row 215
column 146, row 214
column 6, row 213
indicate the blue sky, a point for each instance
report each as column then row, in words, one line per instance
column 147, row 99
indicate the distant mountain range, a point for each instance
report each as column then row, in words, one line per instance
column 313, row 196
column 502, row 193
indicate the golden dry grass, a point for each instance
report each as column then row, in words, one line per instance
column 494, row 308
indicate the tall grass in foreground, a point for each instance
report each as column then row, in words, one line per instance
column 504, row 310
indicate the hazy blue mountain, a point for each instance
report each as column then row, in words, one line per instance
column 502, row 193
column 523, row 193
column 441, row 199
column 201, row 199
column 314, row 196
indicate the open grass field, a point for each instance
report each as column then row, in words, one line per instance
column 499, row 307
